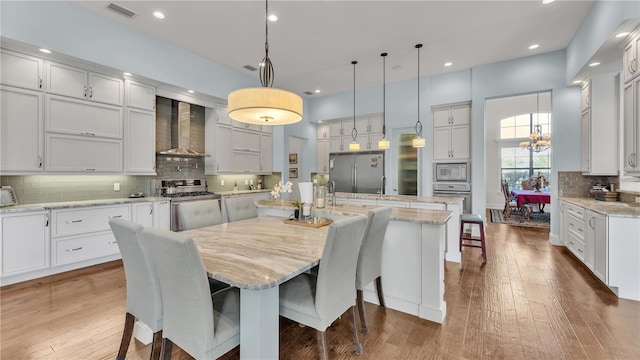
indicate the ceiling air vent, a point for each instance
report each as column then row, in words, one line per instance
column 120, row 10
column 249, row 67
column 308, row 93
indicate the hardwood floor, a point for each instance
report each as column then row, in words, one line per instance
column 530, row 301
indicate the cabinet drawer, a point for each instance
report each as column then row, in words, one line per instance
column 70, row 250
column 86, row 220
column 576, row 226
column 576, row 211
column 576, row 246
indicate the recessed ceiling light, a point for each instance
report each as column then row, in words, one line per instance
column 126, row 74
column 46, row 51
column 578, row 82
column 158, row 14
column 547, row 1
column 190, row 91
column 272, row 18
column 534, row 46
column 317, row 91
column 594, row 64
column 447, row 64
column 319, row 121
column 622, row 34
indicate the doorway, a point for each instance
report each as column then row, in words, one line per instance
column 404, row 166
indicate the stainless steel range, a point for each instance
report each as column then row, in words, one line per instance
column 180, row 191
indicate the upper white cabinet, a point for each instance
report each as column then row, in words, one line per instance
column 451, row 132
column 140, row 96
column 322, row 132
column 140, row 144
column 599, row 131
column 21, row 131
column 339, row 135
column 631, row 131
column 222, row 112
column 336, row 129
column 585, row 96
column 21, row 70
column 266, row 153
column 322, row 156
column 77, row 117
column 76, row 154
column 240, row 125
column 25, row 242
column 79, row 83
column 630, row 59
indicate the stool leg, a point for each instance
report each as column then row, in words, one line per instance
column 461, row 233
column 482, row 242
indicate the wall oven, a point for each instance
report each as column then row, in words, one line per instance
column 453, row 180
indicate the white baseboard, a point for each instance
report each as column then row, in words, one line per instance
column 554, row 239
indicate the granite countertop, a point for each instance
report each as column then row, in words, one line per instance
column 427, row 199
column 241, row 192
column 75, row 204
column 437, row 217
column 609, row 208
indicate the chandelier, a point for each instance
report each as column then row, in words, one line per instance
column 538, row 141
column 265, row 105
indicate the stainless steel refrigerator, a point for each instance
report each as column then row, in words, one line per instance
column 360, row 172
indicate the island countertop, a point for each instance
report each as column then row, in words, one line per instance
column 437, row 217
column 613, row 208
column 428, row 199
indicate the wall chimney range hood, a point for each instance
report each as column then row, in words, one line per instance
column 181, row 134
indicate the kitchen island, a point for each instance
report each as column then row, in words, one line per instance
column 412, row 255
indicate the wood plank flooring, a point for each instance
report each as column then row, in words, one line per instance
column 530, row 301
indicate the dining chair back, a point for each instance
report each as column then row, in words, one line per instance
column 240, row 208
column 203, row 325
column 370, row 258
column 196, row 214
column 317, row 301
column 526, row 185
column 144, row 300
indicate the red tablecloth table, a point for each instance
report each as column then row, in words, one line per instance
column 531, row 197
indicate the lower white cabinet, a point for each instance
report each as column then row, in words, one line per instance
column 151, row 214
column 161, row 214
column 598, row 244
column 25, row 242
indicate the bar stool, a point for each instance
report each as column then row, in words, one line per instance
column 473, row 219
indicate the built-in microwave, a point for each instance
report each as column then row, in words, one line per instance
column 452, row 172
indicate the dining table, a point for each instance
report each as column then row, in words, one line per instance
column 531, row 197
column 257, row 255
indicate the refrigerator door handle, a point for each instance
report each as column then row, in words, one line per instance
column 354, row 177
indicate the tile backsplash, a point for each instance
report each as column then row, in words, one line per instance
column 574, row 184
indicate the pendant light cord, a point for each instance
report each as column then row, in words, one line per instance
column 418, row 123
column 384, row 94
column 267, row 74
column 354, row 132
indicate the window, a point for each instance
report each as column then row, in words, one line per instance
column 518, row 164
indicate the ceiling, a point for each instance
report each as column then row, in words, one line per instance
column 313, row 42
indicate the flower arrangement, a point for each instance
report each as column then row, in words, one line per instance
column 275, row 193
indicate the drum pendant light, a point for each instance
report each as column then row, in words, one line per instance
column 265, row 105
column 355, row 145
column 419, row 141
column 384, row 143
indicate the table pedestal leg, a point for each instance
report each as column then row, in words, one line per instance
column 259, row 327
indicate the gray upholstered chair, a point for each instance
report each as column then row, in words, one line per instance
column 196, row 214
column 370, row 258
column 317, row 301
column 144, row 300
column 205, row 326
column 240, row 208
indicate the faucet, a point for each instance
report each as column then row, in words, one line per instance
column 383, row 182
column 332, row 191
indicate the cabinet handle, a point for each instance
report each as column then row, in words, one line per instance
column 90, row 92
column 151, row 211
column 74, row 221
column 164, row 202
column 571, row 242
column 115, row 217
column 580, row 250
column 46, row 221
column 217, row 166
column 580, row 229
column 74, row 249
column 85, row 91
column 40, row 83
column 112, row 242
column 88, row 169
column 40, row 161
column 571, row 224
column 87, row 134
column 153, row 106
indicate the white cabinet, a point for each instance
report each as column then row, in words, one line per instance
column 21, row 70
column 161, row 214
column 631, row 116
column 66, row 153
column 78, row 117
column 246, row 140
column 245, row 162
column 322, row 132
column 599, row 132
column 25, row 242
column 630, row 59
column 585, row 96
column 140, row 142
column 142, row 213
column 576, row 231
column 140, row 96
column 222, row 115
column 597, row 245
column 240, row 125
column 451, row 132
column 336, row 130
column 79, row 83
column 339, row 144
column 369, row 130
column 21, row 131
column 266, row 153
column 223, row 149
column 246, row 150
column 322, row 156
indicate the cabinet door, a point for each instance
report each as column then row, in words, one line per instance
column 598, row 226
column 373, row 141
column 25, row 242
column 245, row 140
column 21, row 70
column 322, row 156
column 441, row 136
column 335, row 129
column 240, row 125
column 441, row 117
column 67, row 153
column 222, row 112
column 245, row 162
column 66, row 80
column 105, row 89
column 589, row 241
column 140, row 96
column 142, row 213
column 266, row 153
column 140, row 142
column 630, row 61
column 586, row 141
column 79, row 117
column 322, row 132
column 585, row 96
column 161, row 215
column 223, row 149
column 335, row 144
column 21, row 130
column 375, row 124
column 362, row 126
column 460, row 142
column 460, row 115
column 630, row 124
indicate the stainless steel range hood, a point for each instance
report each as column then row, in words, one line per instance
column 181, row 135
